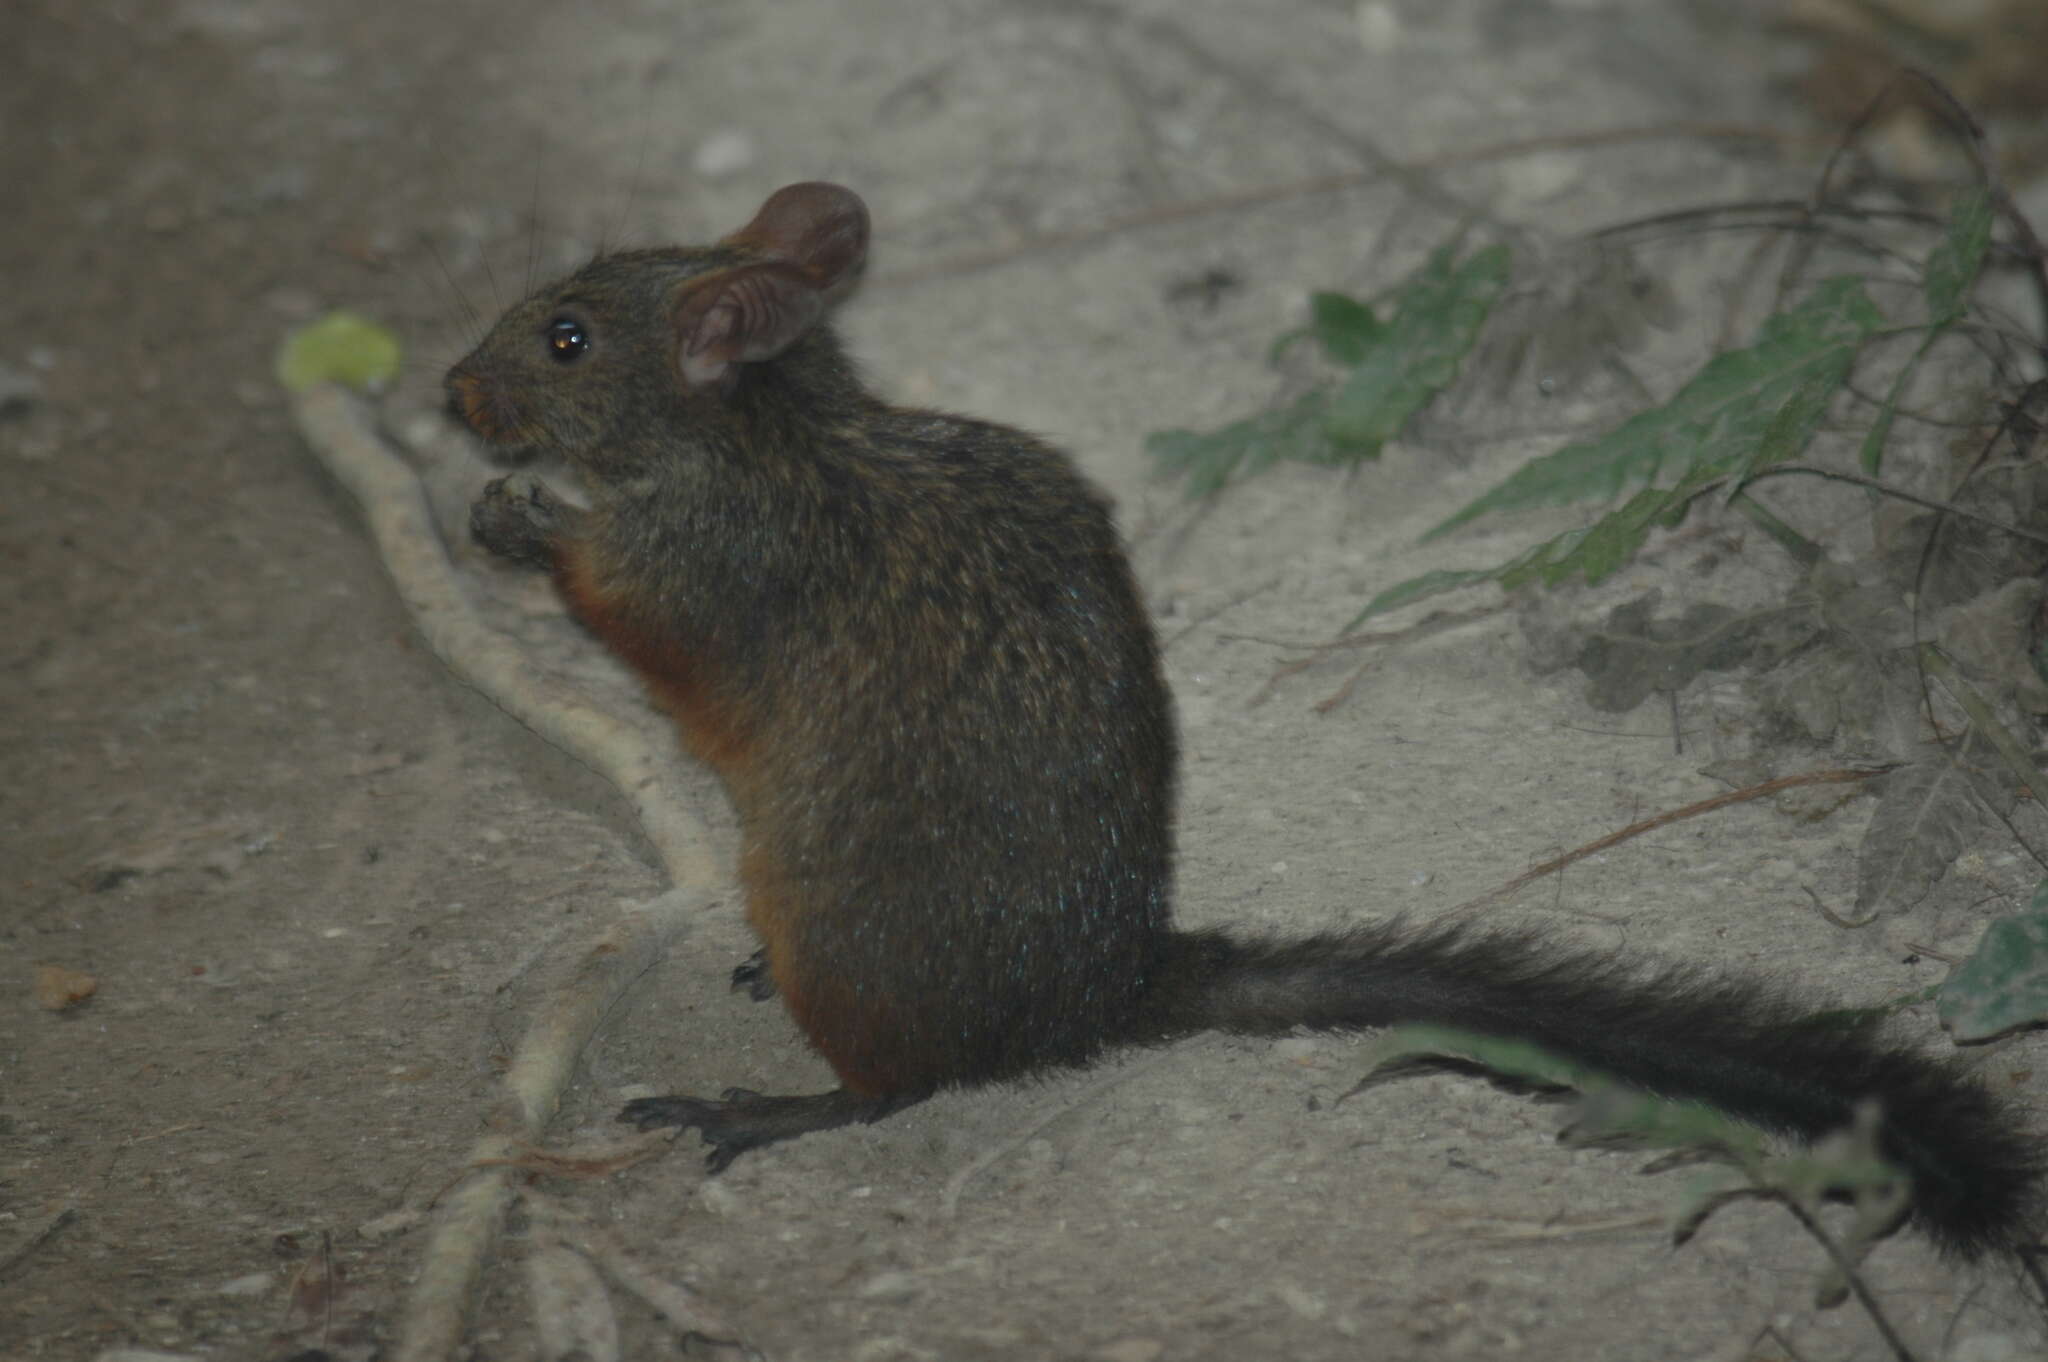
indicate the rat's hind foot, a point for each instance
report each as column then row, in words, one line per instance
column 754, row 978
column 517, row 517
column 743, row 1120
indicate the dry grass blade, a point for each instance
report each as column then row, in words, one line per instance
column 1721, row 801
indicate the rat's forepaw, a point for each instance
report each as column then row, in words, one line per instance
column 517, row 517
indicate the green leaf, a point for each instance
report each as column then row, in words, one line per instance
column 1345, row 326
column 1950, row 274
column 1953, row 264
column 1395, row 368
column 1518, row 1059
column 339, row 348
column 1716, row 423
column 2004, row 983
column 1871, row 456
column 1210, row 459
column 1845, row 1161
column 1436, row 317
column 1795, row 421
column 1597, row 551
column 1611, row 1106
column 1593, row 551
column 1420, row 589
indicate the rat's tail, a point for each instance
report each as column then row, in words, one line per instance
column 1674, row 1032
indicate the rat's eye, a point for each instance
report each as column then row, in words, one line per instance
column 567, row 340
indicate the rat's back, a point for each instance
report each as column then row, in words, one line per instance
column 960, row 835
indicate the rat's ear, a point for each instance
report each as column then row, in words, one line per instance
column 821, row 229
column 753, row 312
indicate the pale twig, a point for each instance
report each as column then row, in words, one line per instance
column 676, row 1303
column 341, row 431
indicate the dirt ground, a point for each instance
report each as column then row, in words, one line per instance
column 322, row 886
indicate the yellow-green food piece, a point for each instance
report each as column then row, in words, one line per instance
column 341, row 347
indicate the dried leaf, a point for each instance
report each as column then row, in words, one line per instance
column 57, row 988
column 1927, row 813
column 1634, row 655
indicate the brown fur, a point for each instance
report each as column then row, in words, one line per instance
column 908, row 642
column 911, row 646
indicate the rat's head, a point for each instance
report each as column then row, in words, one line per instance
column 594, row 361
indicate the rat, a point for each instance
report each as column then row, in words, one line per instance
column 912, row 647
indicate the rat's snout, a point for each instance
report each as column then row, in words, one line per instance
column 452, row 399
column 491, row 413
column 485, row 407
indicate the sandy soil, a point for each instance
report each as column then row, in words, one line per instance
column 322, row 886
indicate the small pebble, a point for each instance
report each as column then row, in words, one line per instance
column 888, row 1286
column 251, row 1284
column 723, row 154
column 19, row 390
